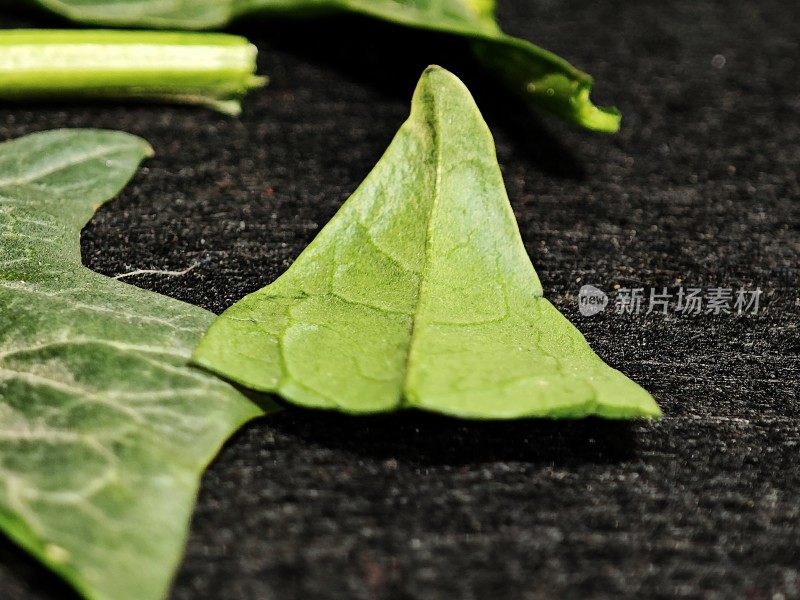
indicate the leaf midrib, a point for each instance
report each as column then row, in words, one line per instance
column 58, row 166
column 437, row 152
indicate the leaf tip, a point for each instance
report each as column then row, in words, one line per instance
column 439, row 87
column 435, row 74
column 597, row 118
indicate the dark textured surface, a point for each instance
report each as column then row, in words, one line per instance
column 699, row 189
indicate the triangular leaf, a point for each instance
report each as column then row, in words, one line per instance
column 104, row 429
column 538, row 76
column 419, row 293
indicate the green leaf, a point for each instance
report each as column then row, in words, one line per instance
column 540, row 77
column 419, row 293
column 104, row 429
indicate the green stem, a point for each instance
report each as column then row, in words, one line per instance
column 211, row 69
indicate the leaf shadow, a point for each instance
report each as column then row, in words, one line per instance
column 374, row 59
column 434, row 440
column 23, row 576
column 23, row 14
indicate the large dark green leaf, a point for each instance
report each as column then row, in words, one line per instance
column 104, row 429
column 419, row 293
column 537, row 75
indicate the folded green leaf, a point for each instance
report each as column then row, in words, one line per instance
column 540, row 77
column 419, row 293
column 211, row 69
column 104, row 429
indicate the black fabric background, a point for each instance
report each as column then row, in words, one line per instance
column 699, row 188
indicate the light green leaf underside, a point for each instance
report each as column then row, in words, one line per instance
column 104, row 429
column 540, row 77
column 419, row 293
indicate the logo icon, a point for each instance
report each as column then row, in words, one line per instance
column 591, row 300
